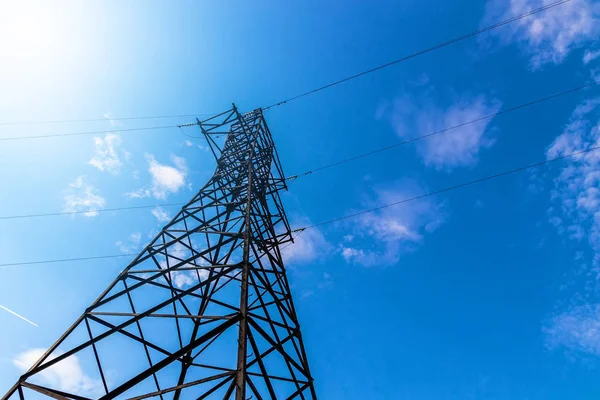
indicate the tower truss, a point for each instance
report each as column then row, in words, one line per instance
column 205, row 310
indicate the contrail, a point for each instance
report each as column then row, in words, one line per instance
column 17, row 315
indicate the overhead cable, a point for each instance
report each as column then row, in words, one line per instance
column 107, row 119
column 356, row 214
column 447, row 189
column 343, row 161
column 485, row 117
column 88, row 211
column 88, row 133
column 424, row 51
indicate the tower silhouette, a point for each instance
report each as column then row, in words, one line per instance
column 205, row 310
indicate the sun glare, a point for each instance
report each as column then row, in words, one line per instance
column 29, row 32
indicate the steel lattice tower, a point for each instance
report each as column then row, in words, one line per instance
column 205, row 310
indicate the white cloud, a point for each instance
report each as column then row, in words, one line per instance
column 82, row 196
column 160, row 214
column 590, row 56
column 111, row 119
column 575, row 195
column 575, row 199
column 548, row 36
column 166, row 178
column 416, row 116
column 66, row 375
column 106, row 158
column 380, row 237
column 307, row 246
column 188, row 143
column 326, row 282
column 131, row 244
column 183, row 279
column 306, row 293
column 323, row 283
column 139, row 194
column 577, row 330
column 349, row 253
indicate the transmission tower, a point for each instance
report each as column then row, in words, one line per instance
column 205, row 310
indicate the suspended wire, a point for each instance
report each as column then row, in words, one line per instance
column 447, row 189
column 67, row 121
column 359, row 156
column 405, row 58
column 88, row 211
column 294, row 237
column 299, row 230
column 88, row 133
column 485, row 117
column 190, row 136
column 68, row 260
column 425, row 51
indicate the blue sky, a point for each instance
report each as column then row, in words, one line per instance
column 488, row 292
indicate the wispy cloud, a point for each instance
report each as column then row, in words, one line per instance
column 161, row 215
column 18, row 315
column 139, row 194
column 131, row 244
column 66, row 375
column 82, row 196
column 106, row 157
column 413, row 116
column 575, row 195
column 590, row 56
column 183, row 279
column 577, row 330
column 165, row 178
column 307, row 246
column 549, row 36
column 575, row 214
column 381, row 237
column 325, row 282
column 111, row 119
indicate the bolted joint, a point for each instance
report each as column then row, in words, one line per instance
column 187, row 359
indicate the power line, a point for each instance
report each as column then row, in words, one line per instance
column 359, row 156
column 88, row 133
column 67, row 121
column 485, row 117
column 405, row 58
column 425, row 51
column 447, row 189
column 67, row 260
column 299, row 230
column 88, row 211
